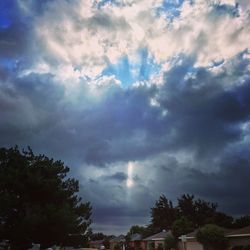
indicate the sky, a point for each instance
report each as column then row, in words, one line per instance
column 138, row 97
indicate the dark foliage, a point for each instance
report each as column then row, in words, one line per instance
column 197, row 212
column 212, row 238
column 163, row 214
column 38, row 204
column 170, row 242
column 182, row 226
column 98, row 236
column 243, row 221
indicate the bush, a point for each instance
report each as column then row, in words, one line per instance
column 238, row 248
column 170, row 242
column 117, row 247
column 160, row 247
column 151, row 246
column 182, row 226
column 212, row 238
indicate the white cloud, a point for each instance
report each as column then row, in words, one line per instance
column 78, row 35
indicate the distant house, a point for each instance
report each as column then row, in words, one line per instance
column 117, row 243
column 157, row 240
column 189, row 242
column 97, row 244
column 237, row 238
column 136, row 242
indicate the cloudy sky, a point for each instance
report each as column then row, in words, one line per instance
column 139, row 97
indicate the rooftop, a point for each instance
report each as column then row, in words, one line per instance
column 159, row 236
column 135, row 237
column 245, row 231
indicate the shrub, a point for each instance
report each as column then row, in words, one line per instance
column 212, row 238
column 160, row 247
column 151, row 246
column 117, row 247
column 238, row 248
column 182, row 226
column 170, row 242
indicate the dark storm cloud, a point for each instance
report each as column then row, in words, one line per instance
column 229, row 187
column 13, row 41
column 204, row 114
column 118, row 176
column 27, row 107
column 117, row 205
column 18, row 43
column 118, row 212
column 103, row 133
column 127, row 123
column 14, row 33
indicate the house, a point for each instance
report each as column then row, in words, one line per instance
column 98, row 244
column 156, row 241
column 189, row 242
column 136, row 242
column 117, row 243
column 237, row 238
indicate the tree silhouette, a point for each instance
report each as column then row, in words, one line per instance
column 163, row 214
column 38, row 204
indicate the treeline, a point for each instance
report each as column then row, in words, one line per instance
column 188, row 214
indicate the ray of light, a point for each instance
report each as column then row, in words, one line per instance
column 130, row 182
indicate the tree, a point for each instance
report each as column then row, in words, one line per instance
column 223, row 220
column 106, row 243
column 117, row 246
column 243, row 221
column 136, row 229
column 170, row 242
column 186, row 207
column 205, row 212
column 182, row 226
column 38, row 204
column 163, row 214
column 98, row 236
column 201, row 212
column 212, row 237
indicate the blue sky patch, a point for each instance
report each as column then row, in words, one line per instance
column 121, row 71
column 170, row 8
column 8, row 63
column 6, row 16
column 128, row 71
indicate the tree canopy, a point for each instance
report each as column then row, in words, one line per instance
column 182, row 226
column 170, row 242
column 189, row 213
column 38, row 204
column 163, row 214
column 136, row 229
